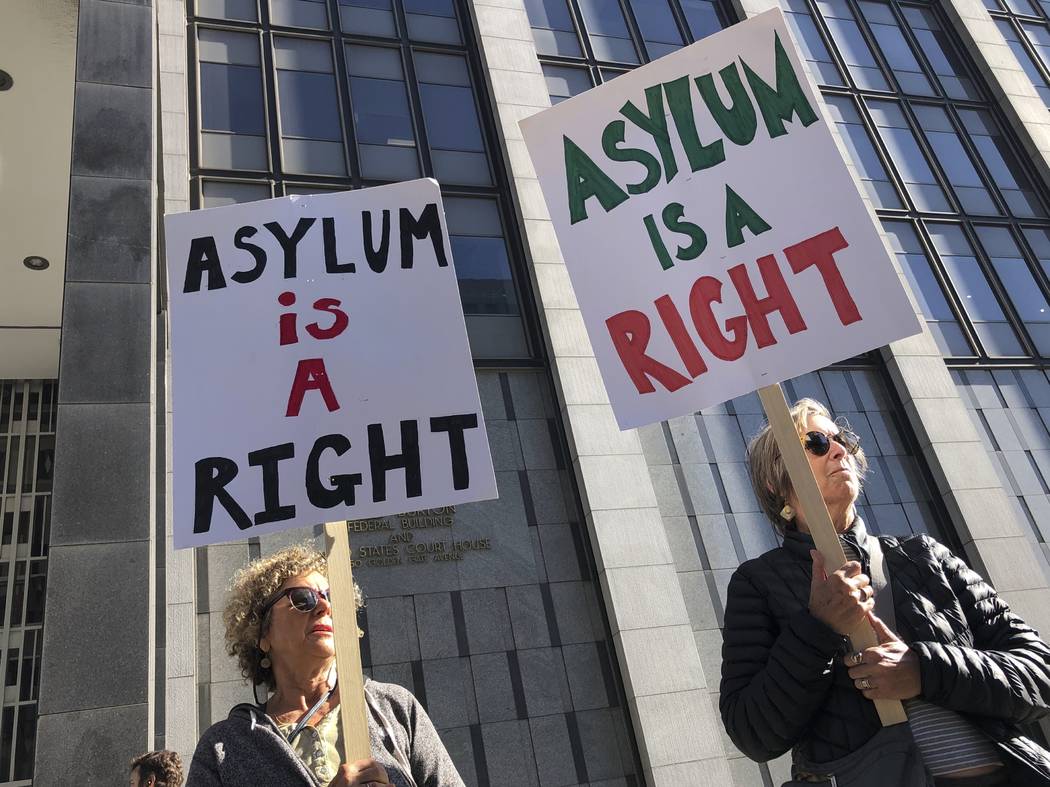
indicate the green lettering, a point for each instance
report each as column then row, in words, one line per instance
column 655, row 125
column 613, row 136
column 739, row 215
column 672, row 216
column 680, row 103
column 783, row 102
column 738, row 121
column 585, row 180
column 658, row 243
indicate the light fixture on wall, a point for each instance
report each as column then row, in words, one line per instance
column 35, row 263
column 6, row 83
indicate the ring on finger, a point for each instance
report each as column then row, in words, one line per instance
column 864, row 684
column 856, row 659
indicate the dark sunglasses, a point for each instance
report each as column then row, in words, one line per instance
column 818, row 443
column 303, row 599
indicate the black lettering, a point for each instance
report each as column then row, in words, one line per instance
column 376, row 257
column 380, row 462
column 457, row 449
column 343, row 486
column 203, row 258
column 428, row 223
column 289, row 243
column 267, row 459
column 240, row 242
column 212, row 474
column 331, row 258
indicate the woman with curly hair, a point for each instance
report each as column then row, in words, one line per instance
column 156, row 769
column 279, row 628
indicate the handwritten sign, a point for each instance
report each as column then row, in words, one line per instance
column 300, row 331
column 715, row 239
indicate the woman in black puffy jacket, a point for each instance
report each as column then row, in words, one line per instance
column 967, row 669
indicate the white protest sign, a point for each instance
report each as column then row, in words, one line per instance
column 320, row 366
column 715, row 240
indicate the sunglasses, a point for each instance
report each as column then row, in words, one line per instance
column 303, row 599
column 818, row 443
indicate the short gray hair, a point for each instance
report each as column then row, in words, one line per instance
column 769, row 476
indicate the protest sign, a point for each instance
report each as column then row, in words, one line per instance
column 301, row 332
column 714, row 237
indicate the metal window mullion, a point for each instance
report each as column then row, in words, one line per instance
column 341, row 66
column 269, row 86
column 576, row 14
column 682, row 23
column 873, row 46
column 831, row 45
column 917, row 52
column 634, row 31
column 978, row 162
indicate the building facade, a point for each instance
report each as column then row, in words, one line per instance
column 577, row 641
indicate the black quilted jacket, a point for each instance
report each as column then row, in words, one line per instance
column 783, row 685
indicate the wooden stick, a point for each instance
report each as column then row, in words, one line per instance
column 353, row 715
column 818, row 519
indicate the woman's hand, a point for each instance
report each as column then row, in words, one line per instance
column 888, row 671
column 362, row 773
column 841, row 599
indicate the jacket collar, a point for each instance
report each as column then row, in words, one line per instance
column 799, row 543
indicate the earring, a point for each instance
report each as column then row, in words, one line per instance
column 265, row 662
column 787, row 512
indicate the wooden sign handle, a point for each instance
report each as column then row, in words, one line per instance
column 353, row 715
column 818, row 519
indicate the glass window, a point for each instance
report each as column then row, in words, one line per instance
column 241, row 10
column 1022, row 7
column 432, row 20
column 368, row 17
column 1039, row 240
column 233, row 122
column 1039, row 37
column 1019, row 283
column 896, row 49
column 854, row 136
column 219, row 193
column 299, row 13
column 855, row 51
column 311, row 131
column 940, row 54
column 608, row 31
column 1001, row 164
column 552, row 28
column 974, row 291
column 565, row 82
column 457, row 148
column 1025, row 59
column 702, row 17
column 480, row 252
column 386, row 139
column 658, row 28
column 954, row 161
column 906, row 155
column 927, row 290
column 810, row 43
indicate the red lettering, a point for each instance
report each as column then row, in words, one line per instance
column 287, row 321
column 339, row 319
column 705, row 291
column 820, row 251
column 310, row 376
column 778, row 300
column 675, row 326
column 630, row 333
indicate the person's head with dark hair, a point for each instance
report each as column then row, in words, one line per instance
column 156, row 769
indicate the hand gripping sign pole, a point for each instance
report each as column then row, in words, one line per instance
column 817, row 518
column 353, row 715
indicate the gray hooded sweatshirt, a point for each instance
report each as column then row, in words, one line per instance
column 247, row 750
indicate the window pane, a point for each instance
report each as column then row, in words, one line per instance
column 851, row 44
column 217, row 194
column 299, row 13
column 382, row 117
column 924, row 285
column 939, row 53
column 1018, row 282
column 243, row 10
column 311, row 130
column 451, row 117
column 657, row 26
column 810, row 43
column 702, row 17
column 905, row 154
column 480, row 253
column 854, row 136
column 608, row 31
column 1025, row 59
column 975, row 293
column 896, row 49
column 1001, row 164
column 565, row 82
column 552, row 27
column 232, row 117
column 1021, row 7
column 369, row 17
column 432, row 20
column 954, row 161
